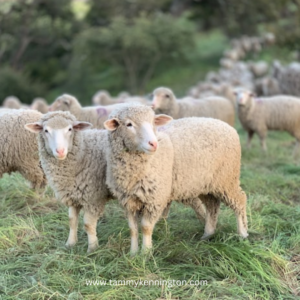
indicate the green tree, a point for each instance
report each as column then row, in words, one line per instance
column 35, row 38
column 137, row 48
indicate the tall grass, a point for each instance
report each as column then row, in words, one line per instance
column 34, row 263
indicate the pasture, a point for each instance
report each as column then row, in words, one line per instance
column 34, row 263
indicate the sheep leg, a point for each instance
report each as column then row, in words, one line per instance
column 90, row 224
column 73, row 223
column 249, row 138
column 296, row 149
column 212, row 205
column 238, row 203
column 134, row 232
column 166, row 211
column 199, row 208
column 147, row 229
column 262, row 137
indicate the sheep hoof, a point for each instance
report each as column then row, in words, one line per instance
column 70, row 244
column 92, row 247
column 244, row 235
column 207, row 236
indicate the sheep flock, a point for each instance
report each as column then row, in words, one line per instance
column 149, row 151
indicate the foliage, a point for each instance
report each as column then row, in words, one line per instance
column 138, row 49
column 35, row 38
column 16, row 84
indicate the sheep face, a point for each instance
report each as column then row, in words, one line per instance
column 163, row 99
column 243, row 97
column 58, row 134
column 134, row 126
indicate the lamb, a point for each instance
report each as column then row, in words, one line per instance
column 40, row 105
column 74, row 163
column 95, row 115
column 18, row 147
column 258, row 115
column 12, row 102
column 184, row 161
column 164, row 102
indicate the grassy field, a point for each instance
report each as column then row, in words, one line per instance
column 34, row 263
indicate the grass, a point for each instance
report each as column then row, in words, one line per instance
column 34, row 263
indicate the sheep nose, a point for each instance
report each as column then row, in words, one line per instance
column 60, row 152
column 153, row 145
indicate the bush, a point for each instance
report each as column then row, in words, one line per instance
column 18, row 84
column 133, row 50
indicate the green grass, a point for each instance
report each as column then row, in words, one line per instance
column 34, row 263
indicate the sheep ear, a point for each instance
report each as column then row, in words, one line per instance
column 112, row 124
column 160, row 120
column 79, row 126
column 34, row 127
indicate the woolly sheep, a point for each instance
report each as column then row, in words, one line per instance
column 259, row 68
column 258, row 115
column 12, row 102
column 75, row 166
column 96, row 115
column 18, row 147
column 40, row 105
column 185, row 160
column 164, row 102
column 267, row 86
column 103, row 98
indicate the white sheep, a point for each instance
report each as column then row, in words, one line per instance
column 164, row 102
column 186, row 160
column 40, row 104
column 12, row 102
column 258, row 115
column 96, row 115
column 18, row 147
column 75, row 167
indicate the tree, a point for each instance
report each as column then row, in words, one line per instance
column 138, row 48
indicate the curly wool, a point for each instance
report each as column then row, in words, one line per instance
column 196, row 157
column 18, row 147
column 78, row 180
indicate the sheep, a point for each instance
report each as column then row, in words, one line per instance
column 267, row 86
column 73, row 159
column 12, row 102
column 18, row 147
column 40, row 105
column 187, row 160
column 258, row 115
column 226, row 63
column 94, row 114
column 103, row 98
column 259, row 68
column 164, row 102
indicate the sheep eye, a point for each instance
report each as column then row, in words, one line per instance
column 46, row 131
column 129, row 125
column 167, row 96
column 70, row 129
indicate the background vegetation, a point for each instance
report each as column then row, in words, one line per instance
column 79, row 47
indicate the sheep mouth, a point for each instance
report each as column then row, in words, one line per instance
column 61, row 157
column 148, row 151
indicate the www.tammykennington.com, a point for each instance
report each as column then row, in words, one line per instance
column 136, row 283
